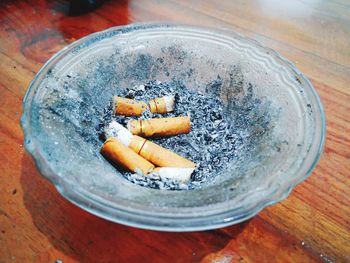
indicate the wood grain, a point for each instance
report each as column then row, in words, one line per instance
column 312, row 225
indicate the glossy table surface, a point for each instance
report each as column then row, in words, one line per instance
column 311, row 225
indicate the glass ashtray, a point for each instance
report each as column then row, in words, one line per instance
column 283, row 135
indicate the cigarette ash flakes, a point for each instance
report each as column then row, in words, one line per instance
column 214, row 139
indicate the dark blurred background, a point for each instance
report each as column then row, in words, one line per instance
column 78, row 7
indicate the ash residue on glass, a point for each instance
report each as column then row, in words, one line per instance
column 80, row 109
column 215, row 139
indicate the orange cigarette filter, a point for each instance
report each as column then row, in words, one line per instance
column 158, row 155
column 128, row 107
column 118, row 153
column 160, row 126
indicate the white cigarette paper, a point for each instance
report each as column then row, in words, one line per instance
column 169, row 103
column 116, row 130
column 182, row 175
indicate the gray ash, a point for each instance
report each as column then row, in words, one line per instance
column 216, row 138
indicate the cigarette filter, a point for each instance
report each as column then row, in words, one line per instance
column 128, row 107
column 160, row 127
column 148, row 150
column 162, row 105
column 182, row 175
column 118, row 153
column 158, row 155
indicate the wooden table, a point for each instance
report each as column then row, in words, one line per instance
column 312, row 225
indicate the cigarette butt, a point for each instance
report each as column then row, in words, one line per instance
column 118, row 153
column 162, row 105
column 128, row 107
column 158, row 155
column 160, row 127
column 148, row 150
column 182, row 175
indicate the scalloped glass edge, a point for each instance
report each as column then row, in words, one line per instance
column 156, row 222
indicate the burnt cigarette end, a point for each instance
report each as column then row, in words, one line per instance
column 182, row 175
column 169, row 103
column 118, row 131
